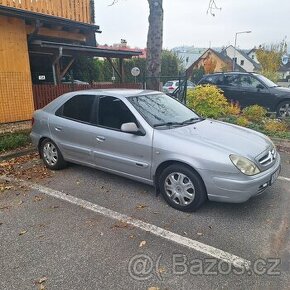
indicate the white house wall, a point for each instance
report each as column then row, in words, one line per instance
column 247, row 66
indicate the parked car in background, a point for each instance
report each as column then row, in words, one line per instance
column 171, row 86
column 76, row 82
column 152, row 138
column 250, row 89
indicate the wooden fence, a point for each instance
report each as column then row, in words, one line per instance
column 44, row 94
column 77, row 10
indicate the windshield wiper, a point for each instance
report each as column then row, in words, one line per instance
column 192, row 120
column 167, row 124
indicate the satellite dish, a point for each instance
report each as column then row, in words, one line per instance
column 285, row 59
column 135, row 71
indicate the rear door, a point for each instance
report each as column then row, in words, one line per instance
column 72, row 130
column 118, row 151
column 230, row 84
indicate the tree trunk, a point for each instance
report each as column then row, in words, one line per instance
column 154, row 44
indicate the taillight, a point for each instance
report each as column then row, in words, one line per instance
column 32, row 121
column 171, row 88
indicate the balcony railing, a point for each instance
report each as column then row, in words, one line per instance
column 77, row 10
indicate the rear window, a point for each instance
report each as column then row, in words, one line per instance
column 168, row 84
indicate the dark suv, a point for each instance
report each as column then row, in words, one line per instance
column 250, row 89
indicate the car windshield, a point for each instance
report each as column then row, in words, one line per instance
column 266, row 81
column 162, row 110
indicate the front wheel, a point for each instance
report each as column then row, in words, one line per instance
column 283, row 109
column 51, row 155
column 182, row 188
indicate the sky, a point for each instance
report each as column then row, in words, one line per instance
column 186, row 22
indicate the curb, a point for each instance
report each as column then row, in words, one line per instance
column 19, row 153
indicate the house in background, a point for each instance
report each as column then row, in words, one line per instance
column 212, row 61
column 40, row 40
column 242, row 59
column 253, row 55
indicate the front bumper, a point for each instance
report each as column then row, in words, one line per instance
column 238, row 188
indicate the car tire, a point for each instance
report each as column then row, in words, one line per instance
column 182, row 187
column 283, row 107
column 51, row 155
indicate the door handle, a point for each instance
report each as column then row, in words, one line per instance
column 58, row 129
column 100, row 138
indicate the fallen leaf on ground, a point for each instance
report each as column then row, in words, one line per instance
column 37, row 198
column 153, row 288
column 161, row 270
column 22, row 233
column 141, row 206
column 142, row 244
column 199, row 234
column 42, row 280
column 120, row 225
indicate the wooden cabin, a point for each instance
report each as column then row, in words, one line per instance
column 39, row 36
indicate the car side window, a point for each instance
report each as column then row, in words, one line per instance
column 231, row 80
column 78, row 108
column 248, row 81
column 113, row 113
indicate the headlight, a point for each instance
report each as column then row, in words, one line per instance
column 245, row 165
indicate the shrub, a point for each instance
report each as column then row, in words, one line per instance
column 255, row 113
column 242, row 121
column 208, row 101
column 234, row 108
column 13, row 140
column 272, row 126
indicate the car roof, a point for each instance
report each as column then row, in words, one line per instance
column 118, row 93
column 231, row 72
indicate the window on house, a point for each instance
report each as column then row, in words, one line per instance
column 253, row 56
column 235, row 59
column 242, row 62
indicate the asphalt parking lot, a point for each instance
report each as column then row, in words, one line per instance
column 81, row 228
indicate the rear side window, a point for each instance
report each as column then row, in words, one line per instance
column 212, row 80
column 231, row 80
column 78, row 108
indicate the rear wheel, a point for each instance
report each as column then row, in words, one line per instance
column 283, row 109
column 51, row 155
column 182, row 187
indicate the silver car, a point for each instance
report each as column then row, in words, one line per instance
column 150, row 137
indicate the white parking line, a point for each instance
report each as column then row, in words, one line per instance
column 155, row 230
column 284, row 178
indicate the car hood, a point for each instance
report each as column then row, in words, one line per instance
column 224, row 136
column 280, row 90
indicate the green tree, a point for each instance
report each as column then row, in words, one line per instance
column 269, row 57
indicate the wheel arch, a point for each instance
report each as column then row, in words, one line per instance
column 167, row 163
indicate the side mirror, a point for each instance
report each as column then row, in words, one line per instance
column 130, row 128
column 260, row 87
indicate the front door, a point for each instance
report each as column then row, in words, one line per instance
column 118, row 151
column 254, row 92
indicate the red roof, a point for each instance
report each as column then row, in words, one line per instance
column 125, row 48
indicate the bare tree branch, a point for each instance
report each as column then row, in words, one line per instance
column 211, row 7
column 113, row 3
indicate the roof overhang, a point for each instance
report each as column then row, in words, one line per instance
column 47, row 19
column 48, row 47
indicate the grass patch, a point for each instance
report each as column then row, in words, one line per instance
column 10, row 141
